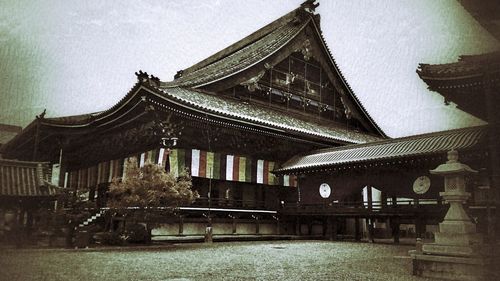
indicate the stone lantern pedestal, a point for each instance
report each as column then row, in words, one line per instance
column 458, row 252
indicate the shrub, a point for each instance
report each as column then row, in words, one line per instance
column 110, row 238
column 136, row 233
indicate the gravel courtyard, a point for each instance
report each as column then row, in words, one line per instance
column 278, row 260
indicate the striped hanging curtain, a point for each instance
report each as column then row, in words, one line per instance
column 264, row 175
column 200, row 163
column 177, row 161
column 290, row 180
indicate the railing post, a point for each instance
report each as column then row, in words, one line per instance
column 297, row 226
column 369, row 195
column 233, row 217
column 395, row 229
column 357, row 233
column 181, row 224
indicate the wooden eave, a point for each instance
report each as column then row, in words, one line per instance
column 130, row 109
column 412, row 149
column 463, row 82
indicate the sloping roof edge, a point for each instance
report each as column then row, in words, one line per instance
column 344, row 81
column 254, row 36
column 425, row 144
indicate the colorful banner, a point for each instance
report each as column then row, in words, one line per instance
column 201, row 163
column 177, row 161
column 195, row 163
column 151, row 156
column 162, row 156
column 290, row 180
column 229, row 167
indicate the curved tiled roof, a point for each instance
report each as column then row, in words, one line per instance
column 466, row 66
column 438, row 142
column 254, row 49
column 264, row 116
column 241, row 59
column 73, row 119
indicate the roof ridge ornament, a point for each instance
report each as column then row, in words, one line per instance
column 179, row 74
column 42, row 115
column 143, row 77
column 309, row 6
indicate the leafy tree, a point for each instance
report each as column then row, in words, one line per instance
column 145, row 190
column 150, row 186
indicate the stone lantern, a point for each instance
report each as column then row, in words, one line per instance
column 458, row 252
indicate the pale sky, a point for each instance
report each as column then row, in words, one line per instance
column 75, row 57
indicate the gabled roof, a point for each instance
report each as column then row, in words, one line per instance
column 7, row 132
column 399, row 148
column 226, row 108
column 241, row 59
column 188, row 91
column 258, row 34
column 260, row 45
column 218, row 107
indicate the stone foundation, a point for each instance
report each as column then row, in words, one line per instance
column 453, row 268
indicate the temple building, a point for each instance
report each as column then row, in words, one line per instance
column 274, row 137
column 473, row 84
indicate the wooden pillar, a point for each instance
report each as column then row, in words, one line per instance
column 357, row 232
column 418, row 226
column 92, row 191
column 257, row 226
column 394, row 201
column 19, row 227
column 369, row 195
column 297, row 226
column 331, row 228
column 334, row 228
column 395, row 229
column 63, row 166
column 234, row 224
column 369, row 226
column 181, row 224
column 29, row 222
